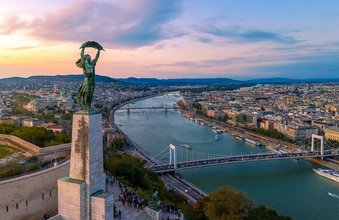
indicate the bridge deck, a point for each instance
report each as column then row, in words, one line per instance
column 157, row 107
column 239, row 159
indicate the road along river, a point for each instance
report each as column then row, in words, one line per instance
column 289, row 186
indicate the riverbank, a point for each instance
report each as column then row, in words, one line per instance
column 257, row 140
column 183, row 187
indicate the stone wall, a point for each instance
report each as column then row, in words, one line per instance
column 47, row 153
column 31, row 196
column 19, row 144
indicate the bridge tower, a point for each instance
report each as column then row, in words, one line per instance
column 321, row 138
column 173, row 156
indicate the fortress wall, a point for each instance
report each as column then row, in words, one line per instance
column 18, row 143
column 33, row 195
column 47, row 153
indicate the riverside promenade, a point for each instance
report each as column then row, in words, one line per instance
column 131, row 212
column 186, row 189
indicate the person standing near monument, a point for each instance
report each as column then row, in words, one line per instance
column 86, row 90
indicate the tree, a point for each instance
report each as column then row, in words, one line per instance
column 263, row 213
column 36, row 135
column 197, row 106
column 117, row 143
column 7, row 128
column 223, row 118
column 226, row 204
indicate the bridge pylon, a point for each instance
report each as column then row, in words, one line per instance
column 173, row 156
column 321, row 138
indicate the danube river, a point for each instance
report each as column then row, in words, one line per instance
column 290, row 186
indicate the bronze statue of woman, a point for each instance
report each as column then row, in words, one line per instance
column 86, row 90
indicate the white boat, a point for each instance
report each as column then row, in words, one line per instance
column 333, row 195
column 328, row 173
column 217, row 131
column 239, row 138
column 187, row 146
column 256, row 143
column 216, row 137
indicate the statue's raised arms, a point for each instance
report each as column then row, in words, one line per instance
column 86, row 90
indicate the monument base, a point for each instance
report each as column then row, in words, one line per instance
column 81, row 196
column 71, row 198
column 154, row 215
column 101, row 206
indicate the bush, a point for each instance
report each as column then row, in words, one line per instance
column 227, row 203
column 36, row 135
column 130, row 171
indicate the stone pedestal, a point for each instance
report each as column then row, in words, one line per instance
column 86, row 183
column 153, row 214
column 71, row 198
column 101, row 206
column 87, row 151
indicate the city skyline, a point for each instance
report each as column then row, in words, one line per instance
column 173, row 39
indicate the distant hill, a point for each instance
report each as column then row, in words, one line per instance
column 183, row 81
column 271, row 80
column 167, row 82
column 78, row 77
column 278, row 80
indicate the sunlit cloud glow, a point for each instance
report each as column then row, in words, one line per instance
column 170, row 39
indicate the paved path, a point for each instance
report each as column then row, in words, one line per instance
column 127, row 213
column 131, row 213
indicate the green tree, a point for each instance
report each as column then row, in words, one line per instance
column 226, row 204
column 60, row 138
column 36, row 135
column 7, row 128
column 197, row 213
column 263, row 213
column 105, row 112
column 223, row 118
column 197, row 106
column 117, row 143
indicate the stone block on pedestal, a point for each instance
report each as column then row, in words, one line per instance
column 101, row 206
column 71, row 198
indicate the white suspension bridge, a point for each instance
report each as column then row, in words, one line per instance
column 164, row 107
column 174, row 158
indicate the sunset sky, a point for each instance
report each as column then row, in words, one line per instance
column 240, row 39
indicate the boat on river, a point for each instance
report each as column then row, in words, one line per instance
column 256, row 143
column 333, row 195
column 217, row 131
column 187, row 146
column 328, row 173
column 239, row 138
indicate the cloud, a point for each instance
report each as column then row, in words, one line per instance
column 311, row 66
column 205, row 40
column 244, row 35
column 21, row 48
column 11, row 24
column 127, row 24
column 197, row 64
